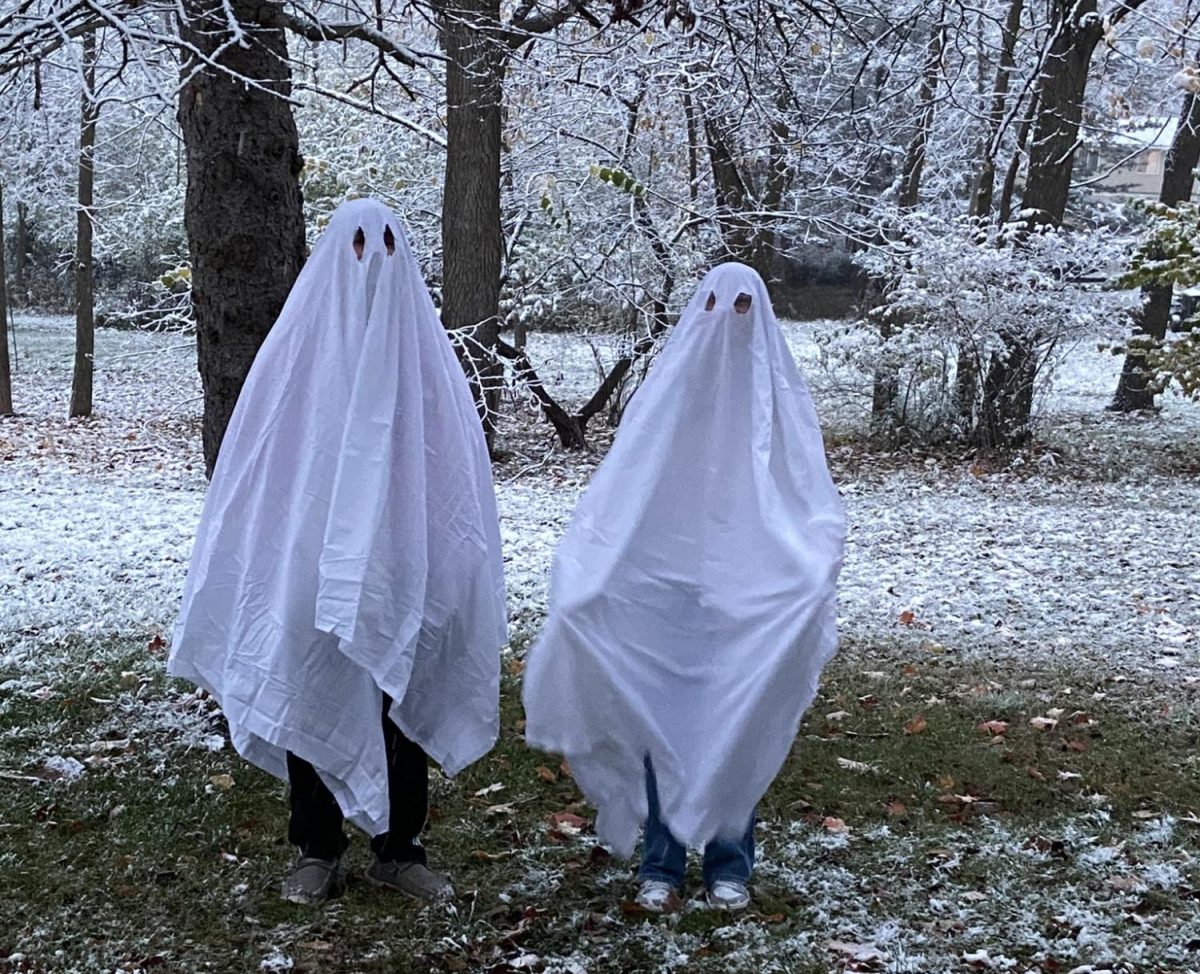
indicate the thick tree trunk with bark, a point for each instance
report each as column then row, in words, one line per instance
column 85, row 323
column 6, row 401
column 244, row 214
column 472, row 235
column 732, row 194
column 1133, row 390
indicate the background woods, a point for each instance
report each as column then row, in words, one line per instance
column 566, row 165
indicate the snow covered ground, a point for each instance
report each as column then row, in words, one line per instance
column 1081, row 558
column 1089, row 556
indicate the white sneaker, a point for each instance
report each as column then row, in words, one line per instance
column 655, row 896
column 726, row 895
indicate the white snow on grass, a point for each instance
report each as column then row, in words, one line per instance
column 97, row 518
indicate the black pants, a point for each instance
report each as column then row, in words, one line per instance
column 315, row 825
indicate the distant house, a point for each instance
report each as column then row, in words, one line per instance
column 1128, row 163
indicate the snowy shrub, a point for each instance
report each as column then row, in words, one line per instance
column 971, row 321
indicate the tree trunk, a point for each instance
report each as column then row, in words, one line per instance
column 966, row 373
column 985, row 183
column 1077, row 30
column 6, row 401
column 1133, row 390
column 85, row 324
column 472, row 235
column 21, row 251
column 1008, row 385
column 731, row 192
column 243, row 213
column 887, row 381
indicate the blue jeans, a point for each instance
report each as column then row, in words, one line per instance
column 664, row 857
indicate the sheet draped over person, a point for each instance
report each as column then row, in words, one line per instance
column 692, row 601
column 349, row 545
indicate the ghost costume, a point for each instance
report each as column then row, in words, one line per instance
column 692, row 601
column 349, row 546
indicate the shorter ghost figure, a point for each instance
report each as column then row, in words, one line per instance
column 345, row 602
column 692, row 601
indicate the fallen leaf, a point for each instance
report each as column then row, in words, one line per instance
column 869, row 702
column 1043, row 723
column 833, row 824
column 1035, row 774
column 907, row 617
column 896, row 809
column 569, row 819
column 992, row 726
column 222, row 782
column 546, row 774
column 917, row 725
column 837, row 715
column 565, row 769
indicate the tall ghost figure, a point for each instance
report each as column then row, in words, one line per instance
column 347, row 568
column 692, row 601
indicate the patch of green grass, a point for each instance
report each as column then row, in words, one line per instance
column 145, row 864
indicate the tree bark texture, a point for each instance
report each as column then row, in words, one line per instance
column 244, row 213
column 85, row 322
column 6, row 400
column 472, row 234
column 21, row 252
column 1133, row 390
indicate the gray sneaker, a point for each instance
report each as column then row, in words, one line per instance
column 412, row 879
column 313, row 881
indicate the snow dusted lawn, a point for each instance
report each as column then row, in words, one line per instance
column 1062, row 588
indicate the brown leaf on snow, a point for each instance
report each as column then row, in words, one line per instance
column 569, row 819
column 917, row 725
column 907, row 617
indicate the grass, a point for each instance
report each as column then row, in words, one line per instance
column 942, row 830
